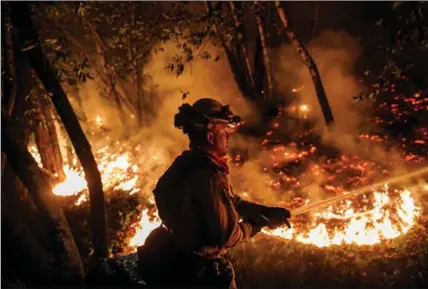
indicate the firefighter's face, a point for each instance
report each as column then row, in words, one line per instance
column 219, row 140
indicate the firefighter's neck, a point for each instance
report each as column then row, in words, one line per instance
column 213, row 152
column 210, row 151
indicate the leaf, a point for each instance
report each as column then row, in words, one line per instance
column 169, row 67
column 84, row 63
column 205, row 55
column 180, row 69
column 185, row 94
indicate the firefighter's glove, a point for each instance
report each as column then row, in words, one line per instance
column 257, row 223
column 277, row 217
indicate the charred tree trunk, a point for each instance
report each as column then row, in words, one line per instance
column 68, row 265
column 310, row 63
column 22, row 20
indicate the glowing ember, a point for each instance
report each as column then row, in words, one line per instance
column 303, row 108
column 387, row 218
column 379, row 216
column 99, row 120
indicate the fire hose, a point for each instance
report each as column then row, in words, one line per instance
column 325, row 202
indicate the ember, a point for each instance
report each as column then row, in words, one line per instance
column 384, row 214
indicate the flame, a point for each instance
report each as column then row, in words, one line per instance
column 144, row 227
column 393, row 212
column 381, row 215
column 361, row 228
column 365, row 228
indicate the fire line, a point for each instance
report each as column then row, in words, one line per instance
column 364, row 189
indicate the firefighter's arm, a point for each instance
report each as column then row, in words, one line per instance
column 265, row 216
column 247, row 209
column 219, row 219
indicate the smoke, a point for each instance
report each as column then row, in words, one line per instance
column 201, row 78
column 335, row 53
column 205, row 78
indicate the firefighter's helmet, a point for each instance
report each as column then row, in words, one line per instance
column 203, row 114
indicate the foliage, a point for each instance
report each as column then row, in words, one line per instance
column 122, row 210
column 399, row 57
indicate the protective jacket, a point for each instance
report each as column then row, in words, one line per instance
column 196, row 203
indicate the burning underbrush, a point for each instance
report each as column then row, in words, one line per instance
column 356, row 237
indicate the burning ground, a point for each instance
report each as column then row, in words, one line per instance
column 371, row 239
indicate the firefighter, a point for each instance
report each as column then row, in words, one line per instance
column 202, row 216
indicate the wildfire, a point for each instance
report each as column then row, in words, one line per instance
column 392, row 212
column 143, row 228
column 362, row 228
column 369, row 219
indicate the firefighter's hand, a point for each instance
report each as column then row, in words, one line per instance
column 257, row 223
column 277, row 217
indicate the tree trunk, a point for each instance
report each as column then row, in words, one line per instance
column 139, row 95
column 310, row 63
column 22, row 253
column 68, row 266
column 18, row 200
column 259, row 71
column 266, row 58
column 24, row 82
column 7, row 97
column 22, row 20
column 107, row 82
column 108, row 76
column 232, row 59
column 81, row 109
column 241, row 38
column 136, row 67
column 47, row 139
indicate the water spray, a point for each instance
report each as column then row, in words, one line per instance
column 322, row 203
